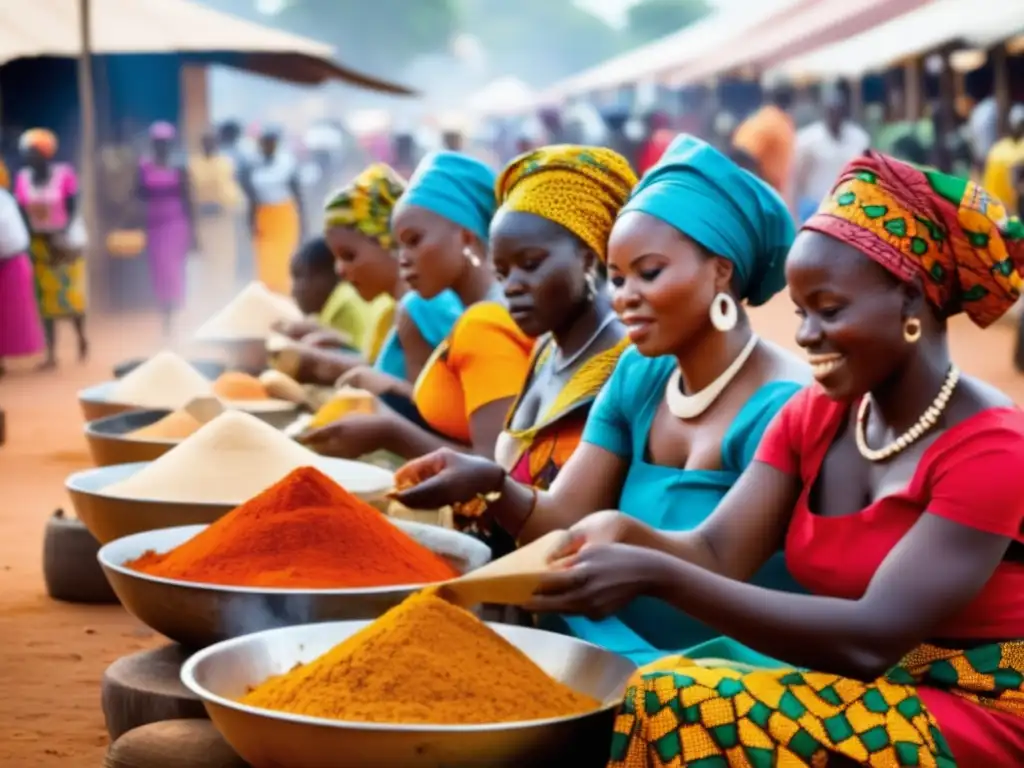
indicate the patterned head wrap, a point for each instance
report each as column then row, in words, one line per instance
column 919, row 222
column 365, row 203
column 42, row 140
column 581, row 188
column 162, row 131
column 725, row 209
column 456, row 187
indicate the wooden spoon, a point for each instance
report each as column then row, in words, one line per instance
column 204, row 409
column 509, row 580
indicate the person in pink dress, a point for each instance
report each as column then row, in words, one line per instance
column 47, row 192
column 21, row 331
column 165, row 188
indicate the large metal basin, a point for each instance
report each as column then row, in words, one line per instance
column 266, row 739
column 109, row 443
column 197, row 615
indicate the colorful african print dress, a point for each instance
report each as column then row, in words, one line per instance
column 534, row 456
column 60, row 275
column 958, row 704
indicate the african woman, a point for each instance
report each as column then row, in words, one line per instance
column 557, row 207
column 681, row 416
column 405, row 327
column 165, row 189
column 465, row 389
column 893, row 463
column 47, row 192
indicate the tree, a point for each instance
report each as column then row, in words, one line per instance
column 379, row 37
column 649, row 20
column 539, row 41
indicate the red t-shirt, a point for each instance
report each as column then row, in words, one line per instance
column 971, row 475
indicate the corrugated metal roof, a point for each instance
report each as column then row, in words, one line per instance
column 821, row 23
column 932, row 25
column 52, row 28
column 668, row 53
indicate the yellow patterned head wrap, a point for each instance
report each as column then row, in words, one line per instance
column 366, row 202
column 581, row 188
column 42, row 140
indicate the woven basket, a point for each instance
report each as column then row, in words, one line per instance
column 126, row 243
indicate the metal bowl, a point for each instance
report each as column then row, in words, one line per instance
column 111, row 517
column 221, row 674
column 211, row 369
column 197, row 615
column 109, row 443
column 95, row 402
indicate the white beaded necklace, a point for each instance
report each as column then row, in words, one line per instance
column 923, row 425
column 691, row 406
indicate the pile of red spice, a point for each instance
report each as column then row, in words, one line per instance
column 304, row 532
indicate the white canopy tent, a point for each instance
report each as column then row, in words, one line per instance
column 658, row 59
column 909, row 35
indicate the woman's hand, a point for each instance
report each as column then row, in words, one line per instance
column 599, row 580
column 365, row 377
column 445, row 477
column 297, row 330
column 326, row 338
column 351, row 436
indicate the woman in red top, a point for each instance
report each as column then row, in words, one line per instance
column 893, row 483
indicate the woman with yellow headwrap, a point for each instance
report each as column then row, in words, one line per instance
column 47, row 192
column 549, row 236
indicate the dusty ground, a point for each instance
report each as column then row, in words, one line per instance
column 54, row 654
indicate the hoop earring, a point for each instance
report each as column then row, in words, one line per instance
column 471, row 257
column 911, row 330
column 724, row 313
column 591, row 290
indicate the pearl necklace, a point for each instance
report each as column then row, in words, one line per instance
column 690, row 406
column 923, row 425
column 564, row 365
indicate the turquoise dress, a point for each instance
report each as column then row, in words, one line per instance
column 668, row 499
column 433, row 317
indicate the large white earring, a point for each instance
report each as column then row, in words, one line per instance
column 723, row 312
column 471, row 257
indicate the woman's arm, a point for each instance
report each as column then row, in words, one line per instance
column 415, row 349
column 908, row 597
column 590, row 480
column 296, row 189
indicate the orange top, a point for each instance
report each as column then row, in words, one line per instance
column 485, row 358
column 769, row 135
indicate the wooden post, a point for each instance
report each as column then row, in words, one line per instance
column 1001, row 84
column 87, row 186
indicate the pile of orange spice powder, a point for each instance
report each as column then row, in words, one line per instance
column 306, row 531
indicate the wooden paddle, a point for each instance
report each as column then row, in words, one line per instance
column 509, row 580
column 204, row 409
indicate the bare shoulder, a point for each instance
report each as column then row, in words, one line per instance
column 978, row 395
column 780, row 364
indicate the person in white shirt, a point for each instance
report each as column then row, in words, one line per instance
column 823, row 149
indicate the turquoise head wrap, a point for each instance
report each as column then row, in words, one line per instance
column 722, row 207
column 455, row 186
